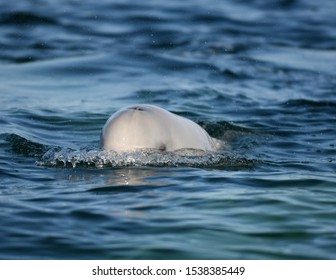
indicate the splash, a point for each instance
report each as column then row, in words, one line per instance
column 92, row 157
column 147, row 157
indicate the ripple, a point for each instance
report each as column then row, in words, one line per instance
column 89, row 156
column 20, row 145
column 26, row 18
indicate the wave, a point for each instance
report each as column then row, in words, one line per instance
column 26, row 18
column 309, row 103
column 92, row 157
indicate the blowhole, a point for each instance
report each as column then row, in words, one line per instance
column 138, row 108
column 162, row 147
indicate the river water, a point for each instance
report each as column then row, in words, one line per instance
column 258, row 75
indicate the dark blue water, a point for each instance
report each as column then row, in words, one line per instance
column 259, row 75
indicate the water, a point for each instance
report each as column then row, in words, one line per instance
column 259, row 75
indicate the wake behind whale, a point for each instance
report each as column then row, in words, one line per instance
column 150, row 136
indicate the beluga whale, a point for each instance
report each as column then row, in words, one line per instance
column 146, row 126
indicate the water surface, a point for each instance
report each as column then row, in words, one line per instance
column 259, row 75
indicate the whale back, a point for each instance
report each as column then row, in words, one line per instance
column 148, row 126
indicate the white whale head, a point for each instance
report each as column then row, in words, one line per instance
column 146, row 126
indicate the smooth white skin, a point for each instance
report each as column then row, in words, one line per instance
column 147, row 126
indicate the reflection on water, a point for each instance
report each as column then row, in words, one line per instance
column 116, row 178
